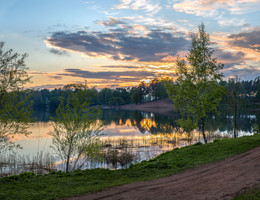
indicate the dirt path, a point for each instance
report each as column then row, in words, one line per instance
column 221, row 180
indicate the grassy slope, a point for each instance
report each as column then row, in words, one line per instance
column 253, row 194
column 58, row 185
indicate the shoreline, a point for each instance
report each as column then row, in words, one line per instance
column 162, row 106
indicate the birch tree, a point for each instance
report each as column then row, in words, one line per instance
column 196, row 91
column 15, row 111
column 76, row 130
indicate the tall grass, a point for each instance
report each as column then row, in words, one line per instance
column 12, row 163
column 117, row 153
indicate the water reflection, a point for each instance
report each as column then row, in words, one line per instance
column 145, row 122
column 145, row 134
column 135, row 123
column 155, row 123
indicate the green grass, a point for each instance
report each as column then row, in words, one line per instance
column 58, row 185
column 253, row 194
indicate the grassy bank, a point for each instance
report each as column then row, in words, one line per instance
column 59, row 185
column 253, row 194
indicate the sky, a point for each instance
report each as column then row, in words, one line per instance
column 117, row 43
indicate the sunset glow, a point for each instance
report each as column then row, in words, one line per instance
column 118, row 43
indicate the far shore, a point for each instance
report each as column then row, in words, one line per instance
column 162, row 106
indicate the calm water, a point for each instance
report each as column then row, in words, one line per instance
column 146, row 135
column 141, row 129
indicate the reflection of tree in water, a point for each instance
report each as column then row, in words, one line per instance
column 155, row 123
column 145, row 122
column 119, row 117
column 42, row 116
column 224, row 121
column 257, row 122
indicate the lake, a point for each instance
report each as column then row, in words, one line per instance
column 146, row 134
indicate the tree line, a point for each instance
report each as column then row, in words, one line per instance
column 248, row 92
column 50, row 99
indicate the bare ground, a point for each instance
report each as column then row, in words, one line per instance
column 223, row 180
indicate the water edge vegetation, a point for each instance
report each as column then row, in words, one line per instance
column 57, row 185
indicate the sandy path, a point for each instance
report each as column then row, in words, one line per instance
column 220, row 180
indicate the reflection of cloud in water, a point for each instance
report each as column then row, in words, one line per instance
column 37, row 141
column 136, row 126
column 122, row 130
column 38, row 130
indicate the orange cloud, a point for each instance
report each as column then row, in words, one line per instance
column 212, row 7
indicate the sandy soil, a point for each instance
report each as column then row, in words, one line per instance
column 223, row 180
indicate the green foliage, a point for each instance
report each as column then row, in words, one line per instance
column 136, row 95
column 15, row 111
column 115, row 101
column 20, row 177
column 196, row 91
column 246, row 93
column 233, row 91
column 76, row 129
column 187, row 125
column 57, row 185
column 253, row 194
column 197, row 144
column 123, row 94
column 257, row 88
column 256, row 128
column 104, row 96
column 155, row 89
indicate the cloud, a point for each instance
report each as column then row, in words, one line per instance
column 111, row 22
column 246, row 73
column 145, row 5
column 56, row 77
column 89, row 2
column 34, row 73
column 231, row 22
column 228, row 57
column 59, row 52
column 131, row 43
column 114, row 86
column 214, row 7
column 108, row 75
column 239, row 52
column 249, row 39
column 120, row 67
column 47, row 86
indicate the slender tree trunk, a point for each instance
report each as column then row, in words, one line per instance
column 235, row 119
column 67, row 163
column 68, row 159
column 203, row 130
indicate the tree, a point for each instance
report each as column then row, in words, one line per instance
column 157, row 89
column 15, row 112
column 187, row 126
column 76, row 129
column 136, row 95
column 257, row 88
column 233, row 91
column 115, row 101
column 104, row 96
column 196, row 91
